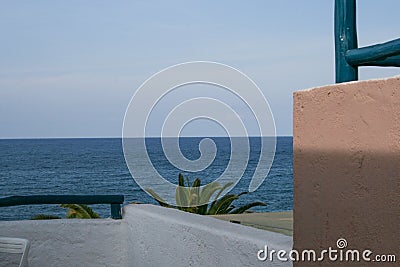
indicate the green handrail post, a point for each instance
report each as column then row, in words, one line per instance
column 345, row 39
column 116, row 211
column 114, row 200
column 348, row 57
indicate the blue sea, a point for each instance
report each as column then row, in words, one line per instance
column 97, row 166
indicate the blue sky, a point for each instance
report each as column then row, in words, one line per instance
column 70, row 68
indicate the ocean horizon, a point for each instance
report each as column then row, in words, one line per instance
column 33, row 166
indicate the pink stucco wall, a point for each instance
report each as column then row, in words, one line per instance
column 347, row 168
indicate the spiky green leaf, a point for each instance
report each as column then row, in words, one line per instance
column 157, row 198
column 225, row 187
column 246, row 207
column 181, row 181
column 220, row 206
column 208, row 191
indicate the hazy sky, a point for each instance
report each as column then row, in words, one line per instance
column 70, row 68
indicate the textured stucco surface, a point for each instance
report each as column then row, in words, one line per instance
column 347, row 167
column 168, row 237
column 146, row 236
column 70, row 242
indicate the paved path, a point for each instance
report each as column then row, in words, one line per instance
column 280, row 222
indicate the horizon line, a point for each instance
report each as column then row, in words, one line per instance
column 119, row 137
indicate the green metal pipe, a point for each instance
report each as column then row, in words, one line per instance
column 393, row 61
column 345, row 39
column 370, row 54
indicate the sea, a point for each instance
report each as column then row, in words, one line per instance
column 84, row 166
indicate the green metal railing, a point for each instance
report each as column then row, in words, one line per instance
column 348, row 57
column 114, row 200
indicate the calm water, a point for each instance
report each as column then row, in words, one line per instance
column 97, row 166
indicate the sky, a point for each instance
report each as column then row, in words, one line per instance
column 70, row 68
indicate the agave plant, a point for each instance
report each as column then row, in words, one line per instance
column 191, row 199
column 75, row 211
